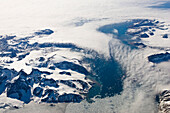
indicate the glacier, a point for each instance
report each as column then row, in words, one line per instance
column 84, row 56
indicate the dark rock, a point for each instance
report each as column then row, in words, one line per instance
column 20, row 90
column 144, row 35
column 13, row 54
column 69, row 65
column 84, row 84
column 52, row 96
column 9, row 61
column 161, row 28
column 68, row 73
column 157, row 22
column 44, row 64
column 36, row 71
column 145, row 22
column 165, row 36
column 16, row 107
column 52, row 105
column 20, row 57
column 140, row 45
column 44, row 32
column 38, row 91
column 153, row 30
column 22, row 74
column 41, row 59
column 144, row 29
column 60, row 45
column 9, row 37
column 70, row 98
column 64, row 72
column 151, row 33
column 158, row 58
column 68, row 82
column 5, row 76
column 21, row 87
column 52, row 67
column 163, row 99
column 35, row 76
column 49, row 82
column 3, row 80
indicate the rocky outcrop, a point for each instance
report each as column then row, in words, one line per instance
column 36, row 72
column 139, row 45
column 70, row 98
column 6, row 75
column 44, row 32
column 158, row 58
column 65, row 65
column 144, row 28
column 164, row 101
column 20, row 88
column 165, row 36
column 64, row 72
column 144, row 35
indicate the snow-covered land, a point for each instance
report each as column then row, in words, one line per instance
column 52, row 53
column 42, row 72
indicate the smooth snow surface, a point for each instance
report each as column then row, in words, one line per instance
column 77, row 21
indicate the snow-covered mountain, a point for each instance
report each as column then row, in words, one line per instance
column 42, row 72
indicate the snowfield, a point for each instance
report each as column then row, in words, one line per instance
column 43, row 45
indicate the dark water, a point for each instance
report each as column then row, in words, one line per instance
column 109, row 73
column 122, row 32
column 109, row 77
column 121, row 28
